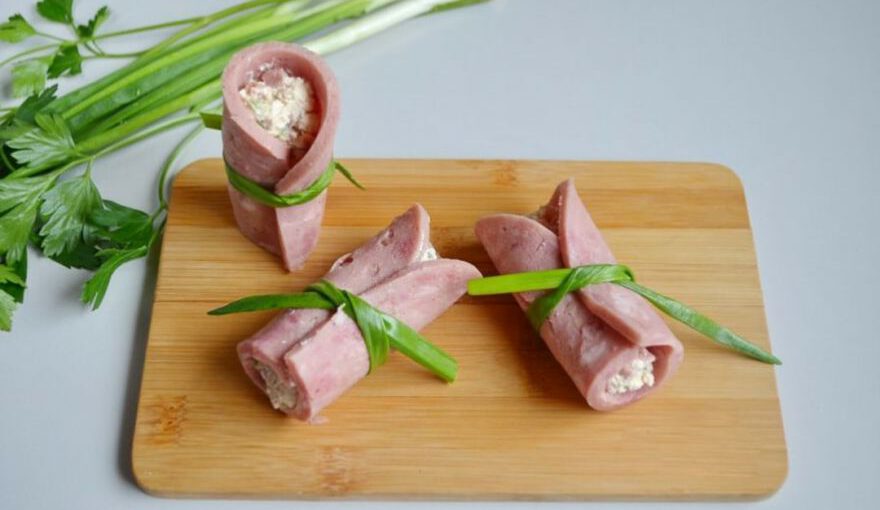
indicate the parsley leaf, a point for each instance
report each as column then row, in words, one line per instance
column 83, row 255
column 10, row 275
column 66, row 61
column 30, row 107
column 13, row 129
column 7, row 308
column 88, row 30
column 131, row 235
column 15, row 227
column 96, row 288
column 12, row 284
column 29, row 77
column 64, row 213
column 51, row 143
column 14, row 192
column 123, row 226
column 15, row 30
column 56, row 10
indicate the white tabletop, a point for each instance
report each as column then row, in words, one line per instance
column 787, row 93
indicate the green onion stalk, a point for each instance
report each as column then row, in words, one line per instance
column 561, row 282
column 164, row 87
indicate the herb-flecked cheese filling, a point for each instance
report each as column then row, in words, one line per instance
column 285, row 106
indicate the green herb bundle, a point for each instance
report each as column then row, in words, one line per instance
column 49, row 137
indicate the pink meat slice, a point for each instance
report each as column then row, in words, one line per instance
column 580, row 244
column 333, row 358
column 399, row 245
column 589, row 350
column 290, row 232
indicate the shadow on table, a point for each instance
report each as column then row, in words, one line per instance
column 136, row 368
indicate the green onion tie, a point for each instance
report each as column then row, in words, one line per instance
column 380, row 331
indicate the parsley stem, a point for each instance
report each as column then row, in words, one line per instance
column 53, row 37
column 169, row 162
column 29, row 51
column 113, row 55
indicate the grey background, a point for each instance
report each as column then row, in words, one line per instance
column 783, row 92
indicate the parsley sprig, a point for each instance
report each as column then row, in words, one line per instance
column 49, row 142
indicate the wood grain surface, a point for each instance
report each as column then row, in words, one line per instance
column 512, row 426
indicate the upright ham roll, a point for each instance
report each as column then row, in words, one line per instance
column 304, row 359
column 611, row 342
column 280, row 111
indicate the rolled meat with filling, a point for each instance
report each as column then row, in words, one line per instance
column 405, row 241
column 398, row 272
column 333, row 358
column 280, row 112
column 611, row 342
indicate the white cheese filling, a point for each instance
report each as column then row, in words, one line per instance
column 282, row 396
column 429, row 254
column 287, row 109
column 639, row 374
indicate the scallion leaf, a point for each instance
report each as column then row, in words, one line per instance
column 699, row 322
column 257, row 192
column 379, row 330
column 577, row 278
column 275, row 302
column 212, row 120
column 563, row 281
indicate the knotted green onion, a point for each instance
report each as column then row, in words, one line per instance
column 257, row 192
column 563, row 281
column 380, row 331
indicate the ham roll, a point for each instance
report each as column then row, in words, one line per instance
column 304, row 359
column 280, row 112
column 611, row 342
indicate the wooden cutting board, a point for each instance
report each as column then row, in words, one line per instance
column 512, row 426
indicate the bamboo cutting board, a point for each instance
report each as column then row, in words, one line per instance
column 512, row 426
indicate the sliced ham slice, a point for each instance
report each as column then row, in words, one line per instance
column 290, row 232
column 405, row 241
column 597, row 335
column 333, row 358
column 580, row 244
